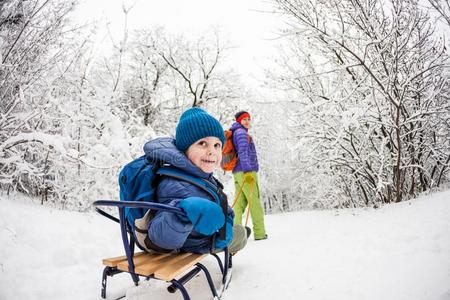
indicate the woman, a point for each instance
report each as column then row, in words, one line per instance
column 245, row 177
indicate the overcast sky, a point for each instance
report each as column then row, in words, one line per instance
column 247, row 24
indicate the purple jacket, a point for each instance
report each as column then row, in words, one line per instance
column 247, row 159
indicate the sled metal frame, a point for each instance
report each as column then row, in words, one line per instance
column 129, row 246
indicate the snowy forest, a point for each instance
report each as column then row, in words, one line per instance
column 353, row 111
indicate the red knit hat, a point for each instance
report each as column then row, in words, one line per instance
column 241, row 115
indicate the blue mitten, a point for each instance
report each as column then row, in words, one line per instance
column 206, row 216
column 220, row 244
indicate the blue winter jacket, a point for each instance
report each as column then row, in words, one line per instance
column 167, row 230
column 247, row 159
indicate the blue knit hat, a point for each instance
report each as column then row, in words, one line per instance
column 195, row 124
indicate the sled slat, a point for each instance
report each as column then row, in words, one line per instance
column 138, row 261
column 178, row 266
column 113, row 261
column 156, row 263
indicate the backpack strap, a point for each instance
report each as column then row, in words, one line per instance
column 214, row 191
column 203, row 184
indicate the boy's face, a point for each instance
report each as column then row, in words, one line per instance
column 246, row 122
column 206, row 153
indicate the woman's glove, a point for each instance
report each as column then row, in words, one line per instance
column 248, row 178
column 206, row 216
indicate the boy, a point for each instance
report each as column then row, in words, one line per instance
column 196, row 150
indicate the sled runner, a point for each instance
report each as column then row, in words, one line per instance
column 176, row 268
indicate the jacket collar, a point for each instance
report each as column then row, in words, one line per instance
column 164, row 150
column 237, row 125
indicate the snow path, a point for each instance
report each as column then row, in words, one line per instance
column 399, row 251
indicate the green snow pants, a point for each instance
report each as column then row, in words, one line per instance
column 256, row 210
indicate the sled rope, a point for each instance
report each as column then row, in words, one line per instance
column 249, row 202
column 238, row 194
column 249, row 199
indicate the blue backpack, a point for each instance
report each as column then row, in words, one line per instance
column 138, row 181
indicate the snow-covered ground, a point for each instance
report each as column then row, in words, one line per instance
column 399, row 251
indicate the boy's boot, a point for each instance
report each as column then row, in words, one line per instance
column 248, row 230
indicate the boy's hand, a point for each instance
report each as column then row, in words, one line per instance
column 248, row 178
column 220, row 244
column 206, row 216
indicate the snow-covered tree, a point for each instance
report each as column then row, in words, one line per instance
column 30, row 33
column 197, row 67
column 168, row 73
column 442, row 7
column 371, row 81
